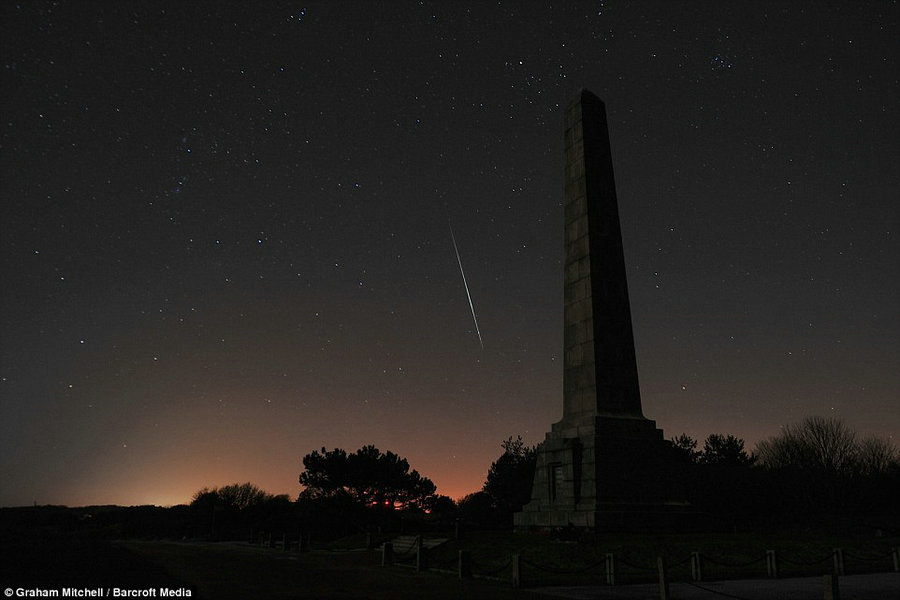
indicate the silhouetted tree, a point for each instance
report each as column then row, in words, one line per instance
column 510, row 477
column 826, row 445
column 820, row 464
column 721, row 449
column 877, row 456
column 478, row 510
column 368, row 476
column 820, row 444
column 441, row 504
column 684, row 448
column 237, row 496
column 228, row 510
column 716, row 480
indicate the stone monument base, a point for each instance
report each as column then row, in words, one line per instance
column 609, row 473
column 633, row 518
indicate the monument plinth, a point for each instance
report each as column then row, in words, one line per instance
column 601, row 464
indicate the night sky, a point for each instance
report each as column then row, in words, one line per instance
column 226, row 229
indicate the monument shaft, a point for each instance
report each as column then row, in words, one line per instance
column 600, row 376
column 601, row 464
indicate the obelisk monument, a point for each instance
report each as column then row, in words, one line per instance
column 601, row 463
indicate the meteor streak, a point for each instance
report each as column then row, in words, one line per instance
column 461, row 272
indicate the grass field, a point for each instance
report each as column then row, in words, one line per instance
column 228, row 571
column 238, row 570
column 231, row 571
column 725, row 556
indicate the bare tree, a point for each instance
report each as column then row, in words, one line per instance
column 235, row 496
column 877, row 456
column 822, row 444
column 821, row 464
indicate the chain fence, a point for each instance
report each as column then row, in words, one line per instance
column 618, row 569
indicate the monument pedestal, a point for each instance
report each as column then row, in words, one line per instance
column 602, row 472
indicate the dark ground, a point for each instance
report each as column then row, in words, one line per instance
column 230, row 571
column 79, row 563
column 51, row 548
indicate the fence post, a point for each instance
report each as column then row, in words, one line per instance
column 516, row 570
column 271, row 543
column 421, row 556
column 252, row 538
column 832, row 589
column 303, row 542
column 609, row 563
column 369, row 540
column 696, row 567
column 663, row 579
column 387, row 554
column 285, row 542
column 465, row 564
column 895, row 554
column 838, row 561
column 771, row 564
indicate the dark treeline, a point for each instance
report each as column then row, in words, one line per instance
column 814, row 473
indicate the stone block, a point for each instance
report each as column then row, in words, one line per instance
column 580, row 290
column 584, row 332
column 578, row 249
column 573, row 356
column 587, row 353
column 578, row 131
column 573, row 191
column 585, row 400
column 584, row 377
column 576, row 229
column 584, row 267
column 573, row 114
column 572, row 273
column 579, row 310
column 576, row 169
column 574, row 205
column 574, row 152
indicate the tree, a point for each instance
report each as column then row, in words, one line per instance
column 368, row 476
column 817, row 444
column 720, row 449
column 877, row 456
column 227, row 510
column 823, row 465
column 478, row 510
column 440, row 504
column 510, row 477
column 237, row 496
column 684, row 447
column 827, row 445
